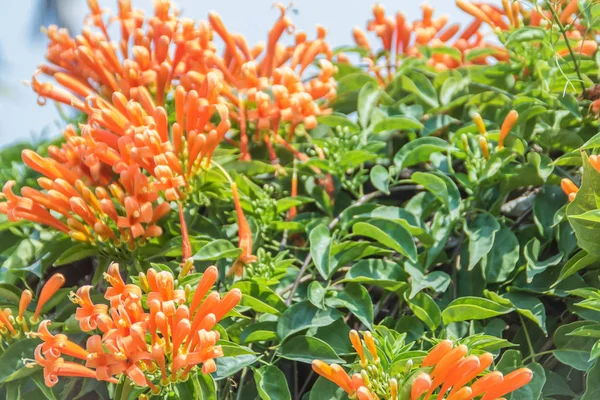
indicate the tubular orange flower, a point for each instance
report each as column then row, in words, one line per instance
column 511, row 382
column 420, row 386
column 55, row 282
column 479, row 123
column 24, row 302
column 249, row 77
column 357, row 344
column 244, row 235
column 151, row 348
column 446, row 366
column 483, row 145
column 507, row 125
column 569, row 188
column 437, row 353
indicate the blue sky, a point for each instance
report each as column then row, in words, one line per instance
column 21, row 52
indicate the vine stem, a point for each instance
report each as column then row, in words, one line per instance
column 564, row 33
column 362, row 200
column 529, row 343
column 542, row 353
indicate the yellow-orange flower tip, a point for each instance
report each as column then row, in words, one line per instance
column 483, row 145
column 436, row 354
column 595, row 162
column 357, row 344
column 364, row 394
column 24, row 302
column 507, row 126
column 510, row 383
column 479, row 123
column 464, row 393
column 55, row 282
column 370, row 343
column 420, row 385
column 569, row 188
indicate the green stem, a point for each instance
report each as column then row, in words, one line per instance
column 564, row 33
column 529, row 343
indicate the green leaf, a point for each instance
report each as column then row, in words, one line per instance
column 437, row 280
column 302, row 316
column 259, row 332
column 530, row 307
column 217, row 249
column 502, row 258
column 583, row 210
column 38, row 379
column 357, row 300
column 383, row 273
column 453, row 86
column 542, row 163
column 534, row 267
column 11, row 360
column 421, row 87
column 306, row 349
column 397, row 124
column 419, row 151
column 260, row 298
column 271, row 383
column 324, row 389
column 573, row 350
column 473, row 308
column 227, row 366
column 320, row 249
column 288, row 202
column 481, row 231
column 576, row 263
column 570, row 103
column 316, row 294
column 336, row 119
column 10, row 292
column 438, row 187
column 592, row 383
column 380, row 178
column 526, row 34
column 204, row 387
column 425, row 309
column 76, row 253
column 389, row 233
column 368, row 97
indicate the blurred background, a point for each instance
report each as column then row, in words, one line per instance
column 22, row 45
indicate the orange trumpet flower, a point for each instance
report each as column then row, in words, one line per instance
column 162, row 334
column 446, row 366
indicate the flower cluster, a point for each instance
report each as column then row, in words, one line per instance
column 570, row 188
column 113, row 178
column 447, row 368
column 400, row 38
column 265, row 83
column 154, row 333
column 15, row 327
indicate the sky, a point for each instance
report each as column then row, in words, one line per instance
column 21, row 50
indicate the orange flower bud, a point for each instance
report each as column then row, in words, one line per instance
column 479, row 123
column 357, row 344
column 483, row 145
column 420, row 386
column 507, row 125
column 436, row 354
column 511, row 382
column 55, row 282
column 569, row 188
column 24, row 302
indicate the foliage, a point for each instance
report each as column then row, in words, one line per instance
column 414, row 197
